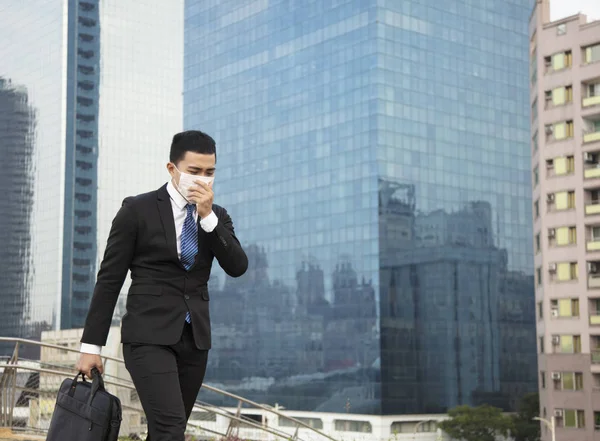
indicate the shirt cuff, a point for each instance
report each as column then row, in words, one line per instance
column 87, row 348
column 210, row 222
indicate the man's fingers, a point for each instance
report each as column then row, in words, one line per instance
column 203, row 184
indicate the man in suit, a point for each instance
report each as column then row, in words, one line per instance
column 168, row 239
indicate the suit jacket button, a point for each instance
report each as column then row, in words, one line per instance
column 187, row 297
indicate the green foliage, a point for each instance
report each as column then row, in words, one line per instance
column 525, row 427
column 483, row 423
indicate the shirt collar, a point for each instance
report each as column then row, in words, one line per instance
column 176, row 197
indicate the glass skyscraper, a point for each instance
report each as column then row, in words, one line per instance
column 374, row 157
column 103, row 81
column 17, row 141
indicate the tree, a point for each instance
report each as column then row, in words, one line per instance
column 525, row 427
column 483, row 423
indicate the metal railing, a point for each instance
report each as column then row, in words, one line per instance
column 28, row 390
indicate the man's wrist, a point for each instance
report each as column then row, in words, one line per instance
column 209, row 223
column 87, row 348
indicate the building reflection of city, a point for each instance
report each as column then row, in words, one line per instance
column 293, row 346
column 456, row 325
column 17, row 148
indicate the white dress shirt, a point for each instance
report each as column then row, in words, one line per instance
column 178, row 204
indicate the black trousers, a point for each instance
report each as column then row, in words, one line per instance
column 167, row 380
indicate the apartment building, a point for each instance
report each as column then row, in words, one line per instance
column 565, row 145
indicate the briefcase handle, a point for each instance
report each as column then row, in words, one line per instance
column 97, row 384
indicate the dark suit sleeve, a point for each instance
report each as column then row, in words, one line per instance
column 113, row 270
column 226, row 247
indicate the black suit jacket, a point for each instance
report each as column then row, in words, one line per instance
column 142, row 239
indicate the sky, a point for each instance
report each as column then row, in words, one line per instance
column 565, row 8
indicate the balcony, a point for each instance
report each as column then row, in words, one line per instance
column 593, row 274
column 591, row 101
column 591, row 136
column 594, row 281
column 591, row 200
column 593, row 244
column 592, row 172
column 591, row 132
column 592, row 207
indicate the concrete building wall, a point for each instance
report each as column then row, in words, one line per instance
column 565, row 69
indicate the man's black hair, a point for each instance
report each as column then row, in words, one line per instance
column 191, row 141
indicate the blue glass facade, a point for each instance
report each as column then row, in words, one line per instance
column 81, row 162
column 374, row 157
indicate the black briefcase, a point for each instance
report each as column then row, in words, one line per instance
column 85, row 411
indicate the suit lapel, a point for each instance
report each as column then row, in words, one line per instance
column 166, row 217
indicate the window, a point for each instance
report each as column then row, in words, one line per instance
column 592, row 54
column 559, row 96
column 592, row 90
column 569, row 381
column 562, row 236
column 353, row 426
column 536, row 176
column 536, row 209
column 561, row 29
column 538, row 276
column 574, row 419
column 597, row 420
column 543, row 380
column 538, row 243
column 559, row 61
column 534, row 140
column 563, row 165
column 541, row 344
column 568, row 344
column 534, row 111
column 563, row 200
column 565, row 307
column 566, row 271
column 559, row 131
column 540, row 310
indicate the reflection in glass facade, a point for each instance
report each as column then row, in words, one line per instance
column 17, row 142
column 374, row 158
column 105, row 80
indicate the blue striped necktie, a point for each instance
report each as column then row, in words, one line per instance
column 189, row 243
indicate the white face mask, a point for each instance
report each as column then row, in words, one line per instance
column 186, row 181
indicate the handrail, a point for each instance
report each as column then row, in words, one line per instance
column 298, row 423
column 215, row 410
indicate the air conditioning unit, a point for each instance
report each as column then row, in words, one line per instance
column 558, row 413
column 556, row 340
column 551, row 232
column 555, row 313
column 550, row 197
column 556, row 375
column 552, row 267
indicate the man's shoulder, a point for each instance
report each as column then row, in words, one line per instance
column 142, row 199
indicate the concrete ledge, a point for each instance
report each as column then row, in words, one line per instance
column 8, row 435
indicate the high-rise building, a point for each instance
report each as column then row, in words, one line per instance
column 565, row 146
column 17, row 141
column 105, row 78
column 373, row 155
